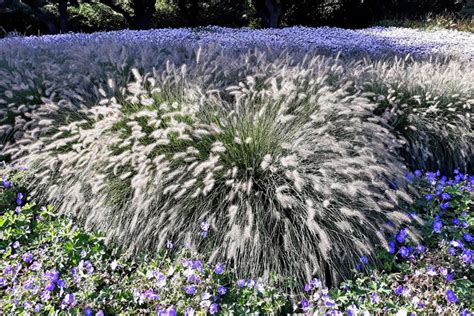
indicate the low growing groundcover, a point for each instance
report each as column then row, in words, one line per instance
column 49, row 265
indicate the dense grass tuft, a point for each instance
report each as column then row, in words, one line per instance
column 295, row 176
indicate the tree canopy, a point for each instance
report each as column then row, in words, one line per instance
column 61, row 16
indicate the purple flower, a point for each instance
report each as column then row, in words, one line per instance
column 437, row 225
column 457, row 244
column 151, row 295
column 364, row 260
column 431, row 271
column 444, row 205
column 222, row 290
column 428, row 197
column 28, row 284
column 316, row 283
column 468, row 237
column 35, row 266
column 328, row 301
column 449, row 277
column 467, row 256
column 61, row 283
column 69, row 300
column 398, row 290
column 53, row 275
column 374, row 298
column 451, row 296
column 404, row 252
column 205, row 296
column 352, row 310
column 204, row 228
column 420, row 248
column 160, row 279
column 50, row 286
column 190, row 289
column 28, row 305
column 307, row 287
column 391, row 247
column 19, row 198
column 171, row 311
column 452, row 251
column 241, row 283
column 88, row 311
column 16, row 244
column 445, row 196
column 3, row 282
column 87, row 265
column 38, row 308
column 197, row 265
column 418, row 173
column 219, row 268
column 27, row 257
column 194, row 279
column 8, row 269
column 431, row 177
column 214, row 308
column 189, row 311
column 45, row 296
column 250, row 283
column 402, row 235
column 99, row 313
column 456, row 221
column 5, row 183
column 304, row 304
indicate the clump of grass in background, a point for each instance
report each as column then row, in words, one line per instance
column 293, row 176
column 429, row 107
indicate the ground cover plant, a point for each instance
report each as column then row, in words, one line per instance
column 259, row 156
column 49, row 265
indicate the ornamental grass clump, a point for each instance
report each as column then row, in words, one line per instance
column 289, row 175
column 430, row 105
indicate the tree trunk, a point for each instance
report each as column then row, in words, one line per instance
column 143, row 11
column 274, row 12
column 63, row 16
column 189, row 14
column 193, row 13
column 269, row 12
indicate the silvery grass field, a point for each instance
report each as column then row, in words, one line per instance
column 316, row 171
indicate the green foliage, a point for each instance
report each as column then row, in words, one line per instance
column 94, row 16
column 433, row 22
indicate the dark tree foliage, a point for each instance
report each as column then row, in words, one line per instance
column 34, row 12
column 141, row 15
column 195, row 13
column 269, row 11
column 56, row 16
